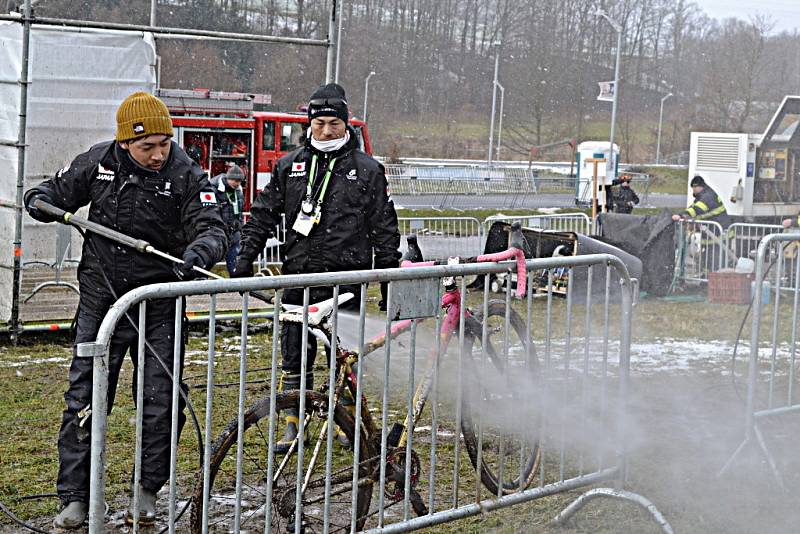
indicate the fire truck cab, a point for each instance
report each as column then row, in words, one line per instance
column 218, row 129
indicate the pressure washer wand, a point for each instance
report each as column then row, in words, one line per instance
column 139, row 245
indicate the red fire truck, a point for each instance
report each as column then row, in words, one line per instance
column 218, row 129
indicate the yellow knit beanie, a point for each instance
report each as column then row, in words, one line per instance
column 142, row 114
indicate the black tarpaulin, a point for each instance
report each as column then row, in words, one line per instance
column 542, row 244
column 651, row 238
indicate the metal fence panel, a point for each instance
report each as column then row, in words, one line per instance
column 743, row 242
column 443, row 237
column 702, row 248
column 503, row 362
column 580, row 223
column 445, row 186
column 772, row 366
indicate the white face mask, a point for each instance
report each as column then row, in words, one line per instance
column 332, row 145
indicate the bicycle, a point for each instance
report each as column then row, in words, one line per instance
column 491, row 448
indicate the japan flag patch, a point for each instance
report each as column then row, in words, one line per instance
column 207, row 199
column 299, row 166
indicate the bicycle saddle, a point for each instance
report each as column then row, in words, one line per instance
column 317, row 312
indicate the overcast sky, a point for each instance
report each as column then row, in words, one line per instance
column 784, row 13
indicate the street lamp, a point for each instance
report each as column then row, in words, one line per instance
column 366, row 92
column 660, row 118
column 611, row 166
column 495, row 83
column 338, row 43
column 500, row 122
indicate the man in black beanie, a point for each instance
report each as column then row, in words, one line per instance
column 336, row 201
column 707, row 205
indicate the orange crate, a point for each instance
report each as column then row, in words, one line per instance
column 729, row 287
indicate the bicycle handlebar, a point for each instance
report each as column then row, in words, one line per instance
column 508, row 254
column 513, row 252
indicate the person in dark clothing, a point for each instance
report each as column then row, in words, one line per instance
column 707, row 205
column 231, row 198
column 144, row 185
column 336, row 201
column 624, row 196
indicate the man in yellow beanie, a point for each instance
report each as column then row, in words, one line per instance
column 144, row 185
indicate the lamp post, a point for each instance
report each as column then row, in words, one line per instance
column 612, row 163
column 338, row 42
column 331, row 55
column 500, row 121
column 366, row 92
column 495, row 83
column 660, row 119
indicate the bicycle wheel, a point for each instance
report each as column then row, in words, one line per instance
column 253, row 498
column 500, row 415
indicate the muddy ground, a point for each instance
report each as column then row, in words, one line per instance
column 686, row 421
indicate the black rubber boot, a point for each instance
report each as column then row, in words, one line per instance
column 349, row 403
column 291, row 415
column 72, row 516
column 147, row 508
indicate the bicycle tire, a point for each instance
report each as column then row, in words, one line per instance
column 475, row 379
column 225, row 447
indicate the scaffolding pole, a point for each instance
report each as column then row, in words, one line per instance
column 27, row 19
column 21, row 139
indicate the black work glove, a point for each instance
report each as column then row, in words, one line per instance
column 185, row 270
column 243, row 268
column 35, row 213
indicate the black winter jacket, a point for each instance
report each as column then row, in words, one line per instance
column 173, row 209
column 708, row 206
column 358, row 215
column 624, row 199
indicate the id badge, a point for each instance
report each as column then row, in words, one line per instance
column 303, row 224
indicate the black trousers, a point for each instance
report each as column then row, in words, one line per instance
column 292, row 333
column 74, row 440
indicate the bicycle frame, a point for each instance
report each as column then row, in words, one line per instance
column 346, row 376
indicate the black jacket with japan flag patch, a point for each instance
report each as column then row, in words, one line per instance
column 173, row 209
column 357, row 218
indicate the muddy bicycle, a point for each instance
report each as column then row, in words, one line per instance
column 499, row 371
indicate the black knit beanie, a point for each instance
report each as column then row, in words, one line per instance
column 698, row 181
column 328, row 101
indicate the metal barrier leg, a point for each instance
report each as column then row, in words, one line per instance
column 635, row 498
column 99, row 352
column 770, row 460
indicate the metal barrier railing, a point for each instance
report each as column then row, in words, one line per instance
column 701, row 248
column 537, row 399
column 271, row 257
column 777, row 358
column 743, row 242
column 443, row 237
column 442, row 186
column 579, row 223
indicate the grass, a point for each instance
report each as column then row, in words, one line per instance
column 441, row 136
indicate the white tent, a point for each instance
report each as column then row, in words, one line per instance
column 78, row 78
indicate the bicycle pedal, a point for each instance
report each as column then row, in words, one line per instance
column 394, row 435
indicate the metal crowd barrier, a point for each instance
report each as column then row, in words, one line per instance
column 702, row 248
column 442, row 186
column 271, row 259
column 443, row 237
column 538, row 398
column 743, row 242
column 772, row 365
column 580, row 223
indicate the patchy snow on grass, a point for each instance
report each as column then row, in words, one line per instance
column 36, row 361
